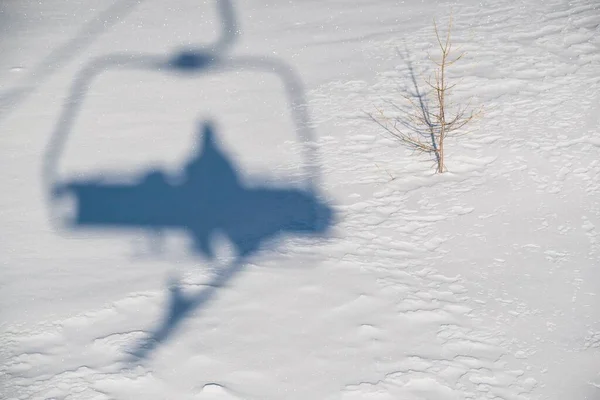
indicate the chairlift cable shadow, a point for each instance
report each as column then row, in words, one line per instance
column 89, row 33
column 85, row 36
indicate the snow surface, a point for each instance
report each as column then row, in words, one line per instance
column 480, row 283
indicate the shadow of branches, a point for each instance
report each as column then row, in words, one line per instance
column 411, row 122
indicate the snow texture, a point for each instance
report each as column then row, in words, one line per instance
column 196, row 206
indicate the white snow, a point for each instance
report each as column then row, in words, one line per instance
column 480, row 283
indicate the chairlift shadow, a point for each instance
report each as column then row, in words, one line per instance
column 210, row 197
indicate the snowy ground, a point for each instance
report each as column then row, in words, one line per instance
column 481, row 283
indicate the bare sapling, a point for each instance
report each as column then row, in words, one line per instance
column 429, row 119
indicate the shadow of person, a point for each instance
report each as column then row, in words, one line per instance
column 210, row 198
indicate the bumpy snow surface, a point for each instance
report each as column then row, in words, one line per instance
column 195, row 204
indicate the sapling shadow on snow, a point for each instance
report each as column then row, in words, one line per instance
column 417, row 102
column 209, row 198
